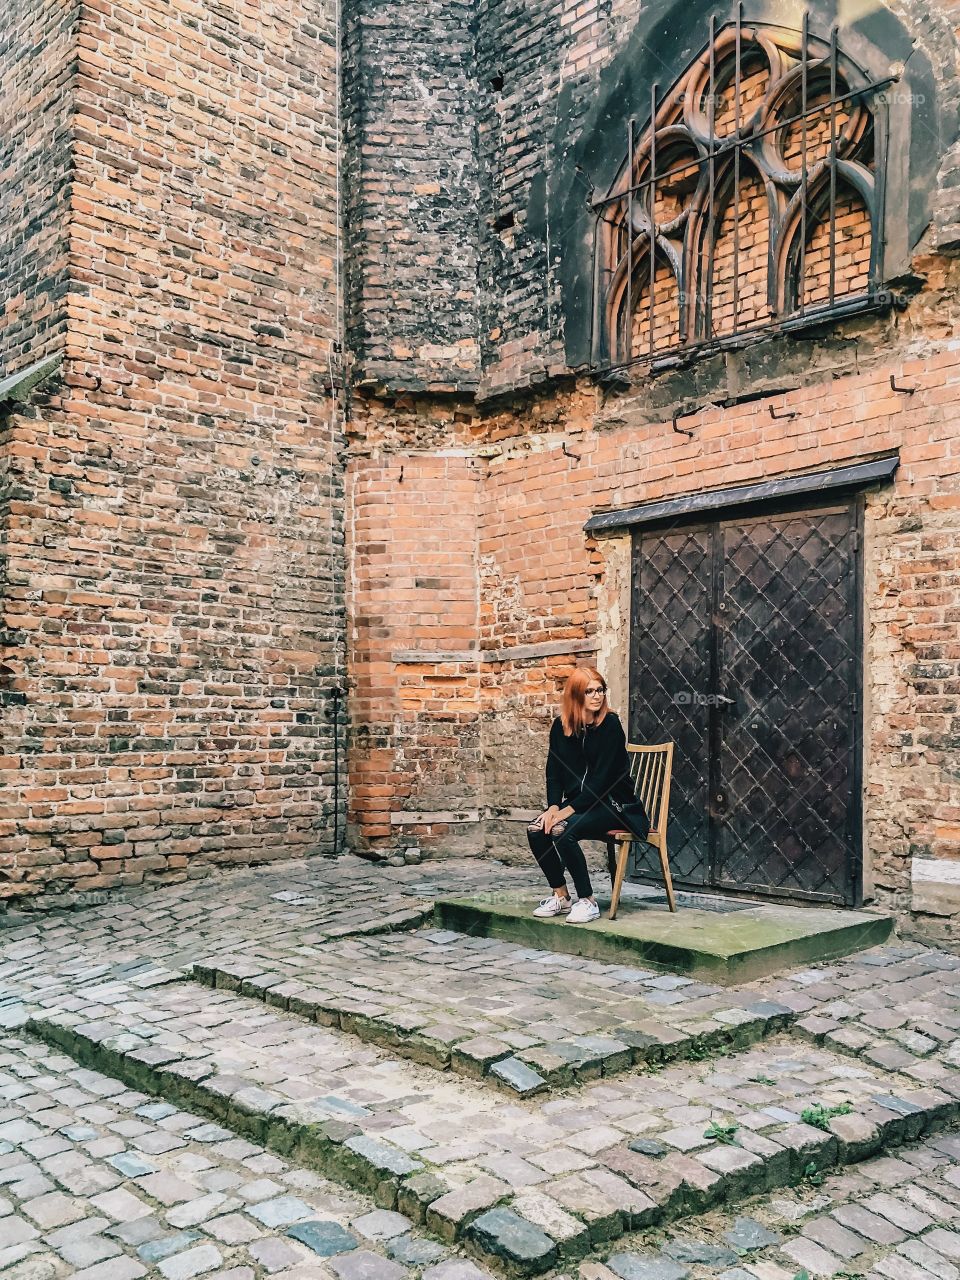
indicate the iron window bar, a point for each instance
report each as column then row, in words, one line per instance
column 711, row 175
column 692, row 261
column 833, row 165
column 804, row 43
column 865, row 91
column 737, row 126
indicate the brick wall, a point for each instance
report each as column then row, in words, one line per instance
column 174, row 538
column 519, row 54
column 555, row 84
column 38, row 47
column 452, row 113
column 472, row 210
column 413, row 641
column 174, row 577
column 552, row 461
column 411, row 192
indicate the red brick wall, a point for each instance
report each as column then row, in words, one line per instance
column 411, row 192
column 414, row 592
column 175, row 604
column 172, row 508
column 550, row 456
column 563, row 457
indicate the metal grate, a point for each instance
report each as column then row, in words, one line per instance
column 751, row 199
column 746, row 653
column 640, row 897
column 789, row 651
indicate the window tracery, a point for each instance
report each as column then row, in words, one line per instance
column 752, row 198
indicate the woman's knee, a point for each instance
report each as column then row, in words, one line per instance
column 571, row 830
column 568, row 846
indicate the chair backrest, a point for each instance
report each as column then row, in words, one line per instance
column 651, row 769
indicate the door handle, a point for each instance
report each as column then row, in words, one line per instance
column 725, row 701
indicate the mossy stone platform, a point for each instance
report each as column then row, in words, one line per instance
column 748, row 941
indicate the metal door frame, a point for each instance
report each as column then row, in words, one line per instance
column 853, row 501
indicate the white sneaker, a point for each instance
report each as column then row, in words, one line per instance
column 553, row 906
column 583, row 912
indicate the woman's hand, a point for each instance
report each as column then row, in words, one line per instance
column 554, row 815
column 548, row 818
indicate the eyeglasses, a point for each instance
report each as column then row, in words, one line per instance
column 591, row 692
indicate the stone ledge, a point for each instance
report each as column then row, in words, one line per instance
column 460, row 816
column 15, row 388
column 728, row 949
column 935, row 885
column 425, row 818
column 484, row 657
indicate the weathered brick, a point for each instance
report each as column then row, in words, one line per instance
column 171, row 503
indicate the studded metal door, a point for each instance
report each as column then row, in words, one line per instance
column 671, row 674
column 746, row 653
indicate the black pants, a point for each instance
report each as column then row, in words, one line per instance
column 564, row 854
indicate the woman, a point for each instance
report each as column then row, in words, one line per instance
column 589, row 792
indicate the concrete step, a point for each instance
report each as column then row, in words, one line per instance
column 525, row 1186
column 750, row 941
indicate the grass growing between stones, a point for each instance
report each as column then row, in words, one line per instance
column 716, row 1131
column 820, row 1116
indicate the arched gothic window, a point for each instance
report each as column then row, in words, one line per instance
column 752, row 198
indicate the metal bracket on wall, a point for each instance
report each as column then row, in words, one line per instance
column 686, row 413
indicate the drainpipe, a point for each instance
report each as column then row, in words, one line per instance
column 333, row 713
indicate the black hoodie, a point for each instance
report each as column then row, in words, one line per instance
column 589, row 767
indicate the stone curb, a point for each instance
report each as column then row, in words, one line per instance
column 557, row 1064
column 846, row 1039
column 519, row 1234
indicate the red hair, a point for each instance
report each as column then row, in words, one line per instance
column 574, row 699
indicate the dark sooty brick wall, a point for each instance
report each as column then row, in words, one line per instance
column 38, row 54
column 411, row 192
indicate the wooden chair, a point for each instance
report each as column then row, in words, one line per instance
column 650, row 770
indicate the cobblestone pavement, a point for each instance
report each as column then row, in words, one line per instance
column 158, row 933
column 106, row 1183
column 560, row 1016
column 887, row 1219
column 659, row 1106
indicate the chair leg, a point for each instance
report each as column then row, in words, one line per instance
column 667, row 880
column 623, row 852
column 611, row 848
